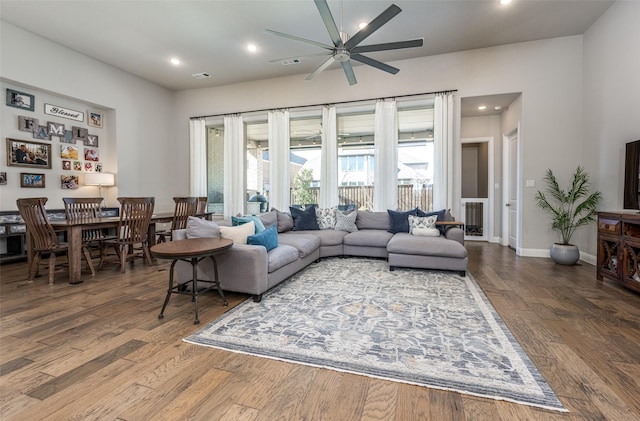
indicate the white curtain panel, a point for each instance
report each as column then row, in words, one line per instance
column 198, row 157
column 443, row 151
column 234, row 162
column 329, row 159
column 386, row 156
column 279, row 196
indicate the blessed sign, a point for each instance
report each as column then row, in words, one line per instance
column 63, row 112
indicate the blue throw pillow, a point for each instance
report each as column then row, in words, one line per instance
column 440, row 214
column 267, row 238
column 239, row 220
column 399, row 221
column 304, row 219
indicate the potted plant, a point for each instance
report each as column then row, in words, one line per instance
column 569, row 210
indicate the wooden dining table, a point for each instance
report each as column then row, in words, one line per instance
column 74, row 237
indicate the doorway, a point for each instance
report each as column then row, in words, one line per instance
column 476, row 195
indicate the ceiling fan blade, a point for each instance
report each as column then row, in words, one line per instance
column 278, row 60
column 373, row 26
column 387, row 46
column 320, row 68
column 375, row 63
column 329, row 22
column 348, row 71
column 295, row 38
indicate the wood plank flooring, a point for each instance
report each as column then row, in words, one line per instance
column 97, row 351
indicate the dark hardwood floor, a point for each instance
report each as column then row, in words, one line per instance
column 98, row 351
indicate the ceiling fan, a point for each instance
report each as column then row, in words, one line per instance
column 344, row 48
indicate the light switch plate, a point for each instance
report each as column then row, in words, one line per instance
column 530, row 183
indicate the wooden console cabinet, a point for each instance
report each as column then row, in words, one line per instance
column 619, row 248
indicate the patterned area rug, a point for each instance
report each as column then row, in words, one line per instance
column 427, row 328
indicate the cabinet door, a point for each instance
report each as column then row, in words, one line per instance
column 631, row 263
column 609, row 256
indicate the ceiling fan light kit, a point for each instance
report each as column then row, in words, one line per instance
column 345, row 48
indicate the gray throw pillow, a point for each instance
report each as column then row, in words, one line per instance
column 346, row 221
column 285, row 220
column 269, row 218
column 202, row 228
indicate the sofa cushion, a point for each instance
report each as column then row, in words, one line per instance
column 368, row 238
column 284, row 220
column 405, row 243
column 281, row 256
column 269, row 218
column 267, row 238
column 326, row 218
column 239, row 220
column 202, row 228
column 238, row 233
column 399, row 221
column 327, row 237
column 373, row 220
column 426, row 232
column 304, row 243
column 304, row 219
column 346, row 221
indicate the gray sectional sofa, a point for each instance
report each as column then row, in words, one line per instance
column 252, row 270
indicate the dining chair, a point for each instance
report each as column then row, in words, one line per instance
column 203, row 202
column 85, row 209
column 133, row 230
column 184, row 208
column 42, row 235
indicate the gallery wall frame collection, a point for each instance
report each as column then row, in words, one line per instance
column 35, row 154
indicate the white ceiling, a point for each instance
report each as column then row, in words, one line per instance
column 140, row 36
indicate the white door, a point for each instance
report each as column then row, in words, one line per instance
column 511, row 184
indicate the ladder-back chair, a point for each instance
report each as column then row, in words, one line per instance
column 133, row 229
column 42, row 235
column 202, row 204
column 86, row 209
column 184, row 208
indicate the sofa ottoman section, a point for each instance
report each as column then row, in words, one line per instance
column 367, row 243
column 406, row 250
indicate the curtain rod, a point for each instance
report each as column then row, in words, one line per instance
column 316, row 105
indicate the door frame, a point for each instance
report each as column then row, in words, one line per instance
column 506, row 138
column 489, row 233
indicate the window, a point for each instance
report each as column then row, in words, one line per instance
column 215, row 167
column 305, row 158
column 257, row 165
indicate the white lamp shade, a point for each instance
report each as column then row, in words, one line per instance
column 99, row 179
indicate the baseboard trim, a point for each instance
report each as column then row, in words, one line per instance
column 584, row 257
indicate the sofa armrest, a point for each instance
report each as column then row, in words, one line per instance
column 455, row 233
column 243, row 268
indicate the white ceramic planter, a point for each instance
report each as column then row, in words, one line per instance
column 565, row 254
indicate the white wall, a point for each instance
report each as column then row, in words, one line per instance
column 141, row 117
column 611, row 100
column 548, row 73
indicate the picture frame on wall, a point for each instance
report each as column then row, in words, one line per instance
column 20, row 100
column 91, row 140
column 68, row 137
column 79, row 133
column 27, row 124
column 31, row 180
column 94, row 119
column 25, row 153
column 56, row 129
column 69, row 182
column 69, row 152
column 41, row 133
column 3, row 178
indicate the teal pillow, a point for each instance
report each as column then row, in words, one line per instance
column 239, row 220
column 267, row 238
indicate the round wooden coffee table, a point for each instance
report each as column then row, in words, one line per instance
column 192, row 250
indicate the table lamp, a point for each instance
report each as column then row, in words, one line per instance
column 99, row 179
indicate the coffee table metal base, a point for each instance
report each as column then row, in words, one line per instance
column 181, row 288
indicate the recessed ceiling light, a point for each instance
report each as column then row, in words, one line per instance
column 497, row 107
column 175, row 61
column 505, row 1
column 362, row 25
column 252, row 48
column 482, row 107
